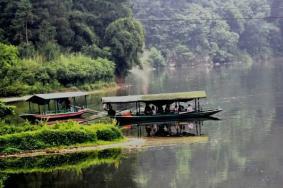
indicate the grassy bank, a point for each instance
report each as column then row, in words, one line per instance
column 15, row 139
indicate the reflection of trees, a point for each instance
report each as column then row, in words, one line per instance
column 48, row 170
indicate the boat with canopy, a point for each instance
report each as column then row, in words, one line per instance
column 163, row 105
column 55, row 106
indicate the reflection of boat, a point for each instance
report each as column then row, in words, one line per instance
column 171, row 129
column 62, row 107
column 160, row 100
column 169, row 121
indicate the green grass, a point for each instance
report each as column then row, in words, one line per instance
column 30, row 137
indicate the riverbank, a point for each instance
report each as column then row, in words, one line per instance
column 128, row 144
column 28, row 138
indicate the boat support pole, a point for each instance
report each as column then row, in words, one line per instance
column 74, row 101
column 49, row 107
column 136, row 107
column 39, row 109
column 56, row 106
column 86, row 101
column 196, row 105
column 197, row 133
column 29, row 107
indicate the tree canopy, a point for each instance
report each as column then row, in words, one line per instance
column 51, row 27
column 125, row 37
column 217, row 30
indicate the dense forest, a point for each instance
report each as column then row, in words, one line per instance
column 51, row 44
column 48, row 44
column 216, row 31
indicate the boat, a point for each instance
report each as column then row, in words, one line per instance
column 159, row 100
column 55, row 106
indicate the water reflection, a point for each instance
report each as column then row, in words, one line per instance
column 190, row 127
column 170, row 129
column 36, row 171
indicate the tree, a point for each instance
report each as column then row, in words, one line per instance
column 155, row 58
column 22, row 21
column 8, row 58
column 125, row 37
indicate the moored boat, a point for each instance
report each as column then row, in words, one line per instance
column 61, row 109
column 126, row 119
column 159, row 101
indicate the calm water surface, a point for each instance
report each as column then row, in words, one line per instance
column 243, row 150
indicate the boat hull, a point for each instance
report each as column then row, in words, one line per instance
column 52, row 117
column 165, row 117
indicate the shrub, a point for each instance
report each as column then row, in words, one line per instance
column 30, row 137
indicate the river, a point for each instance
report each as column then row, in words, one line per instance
column 243, row 149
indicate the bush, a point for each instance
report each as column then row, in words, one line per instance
column 12, row 129
column 65, row 134
column 37, row 74
column 46, row 138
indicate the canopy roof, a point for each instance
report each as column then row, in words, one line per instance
column 45, row 98
column 184, row 96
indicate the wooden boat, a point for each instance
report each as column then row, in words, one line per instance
column 61, row 109
column 159, row 100
column 126, row 119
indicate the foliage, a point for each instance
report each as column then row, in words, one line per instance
column 35, row 75
column 61, row 134
column 155, row 58
column 79, row 69
column 49, row 27
column 108, row 135
column 3, row 178
column 5, row 110
column 8, row 59
column 125, row 36
column 211, row 31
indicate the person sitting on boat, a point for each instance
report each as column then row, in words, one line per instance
column 181, row 108
column 153, row 110
column 176, row 108
column 190, row 108
column 160, row 109
column 147, row 110
column 68, row 104
column 111, row 112
column 167, row 109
